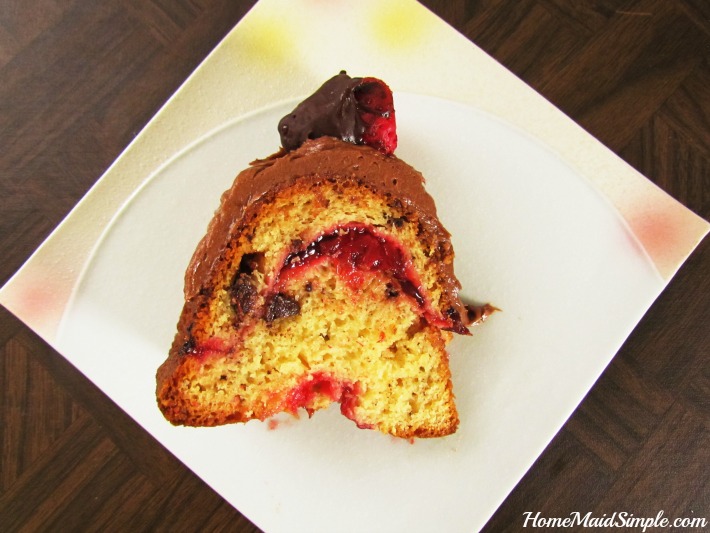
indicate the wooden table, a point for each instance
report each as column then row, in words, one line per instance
column 80, row 78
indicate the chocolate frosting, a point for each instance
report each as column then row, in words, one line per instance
column 317, row 160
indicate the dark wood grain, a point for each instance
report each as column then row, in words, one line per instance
column 80, row 78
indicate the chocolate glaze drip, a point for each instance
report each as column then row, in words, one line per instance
column 478, row 314
column 331, row 111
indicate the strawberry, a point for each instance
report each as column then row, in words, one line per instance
column 356, row 110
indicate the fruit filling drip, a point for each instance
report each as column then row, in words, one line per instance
column 319, row 385
column 356, row 251
column 356, row 110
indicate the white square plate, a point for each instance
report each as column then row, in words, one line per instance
column 547, row 224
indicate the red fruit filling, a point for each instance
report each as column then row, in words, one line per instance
column 205, row 349
column 319, row 385
column 356, row 250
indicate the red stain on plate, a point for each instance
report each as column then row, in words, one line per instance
column 661, row 234
column 39, row 303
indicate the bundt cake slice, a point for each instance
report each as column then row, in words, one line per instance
column 325, row 276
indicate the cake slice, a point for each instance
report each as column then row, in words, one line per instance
column 325, row 276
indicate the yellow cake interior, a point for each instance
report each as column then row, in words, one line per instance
column 367, row 344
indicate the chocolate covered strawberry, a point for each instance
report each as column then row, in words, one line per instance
column 356, row 110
